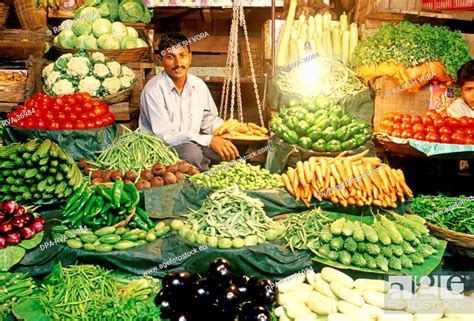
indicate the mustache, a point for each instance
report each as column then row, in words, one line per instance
column 178, row 67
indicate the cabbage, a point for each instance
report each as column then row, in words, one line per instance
column 134, row 11
column 141, row 43
column 87, row 13
column 108, row 41
column 66, row 24
column 132, row 32
column 87, row 42
column 109, row 9
column 67, row 39
column 101, row 27
column 119, row 30
column 81, row 27
column 128, row 42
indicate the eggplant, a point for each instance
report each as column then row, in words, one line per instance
column 181, row 316
column 17, row 221
column 202, row 295
column 163, row 299
column 3, row 242
column 254, row 313
column 10, row 207
column 13, row 238
column 241, row 283
column 220, row 274
column 264, row 292
column 178, row 283
column 6, row 227
column 230, row 299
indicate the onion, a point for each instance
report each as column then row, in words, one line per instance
column 39, row 219
column 13, row 238
column 27, row 232
column 10, row 207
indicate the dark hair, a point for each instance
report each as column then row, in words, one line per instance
column 176, row 40
column 466, row 73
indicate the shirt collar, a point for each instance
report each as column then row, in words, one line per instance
column 170, row 84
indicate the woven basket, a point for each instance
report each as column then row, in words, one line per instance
column 119, row 97
column 121, row 56
column 12, row 91
column 459, row 243
column 19, row 44
column 30, row 16
column 4, row 8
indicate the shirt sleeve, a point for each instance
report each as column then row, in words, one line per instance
column 210, row 118
column 155, row 112
column 459, row 108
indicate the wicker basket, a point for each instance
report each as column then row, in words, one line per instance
column 12, row 91
column 119, row 97
column 121, row 56
column 30, row 16
column 459, row 243
column 4, row 9
column 19, row 44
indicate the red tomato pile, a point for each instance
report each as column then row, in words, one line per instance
column 69, row 112
column 430, row 127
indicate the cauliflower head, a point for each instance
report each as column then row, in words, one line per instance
column 126, row 82
column 52, row 78
column 63, row 87
column 98, row 56
column 101, row 70
column 115, row 68
column 89, row 85
column 78, row 66
column 47, row 70
column 112, row 85
column 62, row 61
column 128, row 72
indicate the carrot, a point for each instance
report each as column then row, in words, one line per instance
column 359, row 193
column 359, row 203
column 308, row 174
column 352, row 192
column 384, row 203
column 341, row 170
column 385, row 180
column 288, row 186
column 351, row 201
column 343, row 202
column 375, row 192
column 306, row 202
column 291, row 175
column 324, row 167
column 373, row 160
column 312, row 165
column 335, row 173
column 334, row 200
column 366, row 181
column 297, row 193
column 319, row 174
column 347, row 166
column 377, row 203
column 300, row 172
column 388, row 172
column 403, row 183
column 357, row 177
column 307, row 191
column 317, row 195
column 357, row 157
column 344, row 153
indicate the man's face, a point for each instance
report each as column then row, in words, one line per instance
column 467, row 93
column 176, row 62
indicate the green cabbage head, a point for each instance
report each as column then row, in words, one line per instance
column 119, row 30
column 108, row 42
column 67, row 39
column 82, row 27
column 87, row 42
column 101, row 27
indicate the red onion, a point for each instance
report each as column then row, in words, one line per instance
column 27, row 232
column 3, row 242
column 6, row 227
column 13, row 238
column 21, row 210
column 37, row 225
column 10, row 207
column 17, row 221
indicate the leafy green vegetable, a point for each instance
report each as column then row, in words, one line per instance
column 33, row 242
column 411, row 44
column 134, row 11
column 67, row 39
column 10, row 256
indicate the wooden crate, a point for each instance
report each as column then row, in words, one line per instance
column 143, row 71
column 405, row 102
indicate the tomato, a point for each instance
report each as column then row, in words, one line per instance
column 431, row 129
column 79, row 124
column 67, row 125
column 38, row 96
column 83, row 116
column 21, row 123
column 416, row 120
column 60, row 117
column 90, row 115
column 445, row 139
column 100, row 110
column 29, row 123
column 77, row 110
column 389, row 116
column 49, row 115
column 459, row 131
column 71, row 101
column 46, row 100
column 457, row 138
column 396, row 133
column 86, row 96
column 96, row 102
column 432, row 113
column 397, row 126
column 432, row 137
column 469, row 132
column 469, row 141
column 419, row 136
column 398, row 118
column 418, row 128
column 21, row 109
column 452, row 122
column 90, row 124
column 439, row 123
column 406, row 126
column 436, row 116
column 445, row 131
column 72, row 117
column 470, row 120
column 58, row 101
column 29, row 103
column 407, row 120
column 54, row 125
column 384, row 130
column 40, row 124
column 110, row 118
column 407, row 134
column 67, row 109
column 99, row 122
column 56, row 108
column 464, row 121
column 87, row 106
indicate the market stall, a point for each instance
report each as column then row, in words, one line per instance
column 100, row 220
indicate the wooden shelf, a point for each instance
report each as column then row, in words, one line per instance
column 60, row 14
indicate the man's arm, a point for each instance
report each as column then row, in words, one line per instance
column 154, row 110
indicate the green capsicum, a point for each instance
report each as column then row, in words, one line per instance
column 290, row 136
column 360, row 140
column 305, row 142
column 323, row 123
column 349, row 144
column 346, row 120
column 334, row 121
column 315, row 133
column 334, row 146
column 341, row 133
column 329, row 134
column 319, row 145
column 302, row 128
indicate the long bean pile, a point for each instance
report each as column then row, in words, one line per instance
column 13, row 287
column 302, row 228
column 453, row 213
column 335, row 80
column 136, row 150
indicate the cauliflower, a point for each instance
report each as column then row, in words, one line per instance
column 47, row 70
column 89, row 85
column 98, row 56
column 63, row 87
column 77, row 66
column 62, row 61
column 101, row 70
column 126, row 81
column 112, row 85
column 128, row 72
column 114, row 68
column 52, row 78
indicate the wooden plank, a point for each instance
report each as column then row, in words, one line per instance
column 131, row 114
column 210, row 44
column 209, row 60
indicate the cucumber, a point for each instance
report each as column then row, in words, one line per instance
column 74, row 243
column 124, row 245
column 105, row 230
column 88, row 237
column 130, row 236
column 104, row 248
column 109, row 238
column 89, row 247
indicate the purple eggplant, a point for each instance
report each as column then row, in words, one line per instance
column 38, row 224
column 10, row 207
column 3, row 242
column 28, row 232
column 17, row 221
column 264, row 292
column 6, row 227
column 13, row 238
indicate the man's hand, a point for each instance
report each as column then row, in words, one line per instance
column 224, row 148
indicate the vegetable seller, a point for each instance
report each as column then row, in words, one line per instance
column 178, row 108
column 464, row 106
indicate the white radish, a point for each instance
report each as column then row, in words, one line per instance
column 321, row 304
column 373, row 285
column 324, row 288
column 346, row 294
column 329, row 274
column 352, row 310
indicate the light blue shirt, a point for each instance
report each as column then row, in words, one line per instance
column 175, row 118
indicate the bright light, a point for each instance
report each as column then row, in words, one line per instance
column 310, row 72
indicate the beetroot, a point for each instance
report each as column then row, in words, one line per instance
column 156, row 181
column 169, row 178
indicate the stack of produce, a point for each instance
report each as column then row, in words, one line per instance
column 431, row 127
column 158, row 175
column 17, row 224
column 97, row 34
column 229, row 218
column 115, row 10
column 452, row 213
column 13, row 288
column 69, row 112
column 408, row 51
column 246, row 176
column 386, row 245
column 218, row 295
column 109, row 238
column 37, row 171
column 136, row 151
column 320, row 125
column 101, row 206
column 232, row 129
column 89, row 73
column 98, row 295
column 335, row 296
column 351, row 180
column 16, row 76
